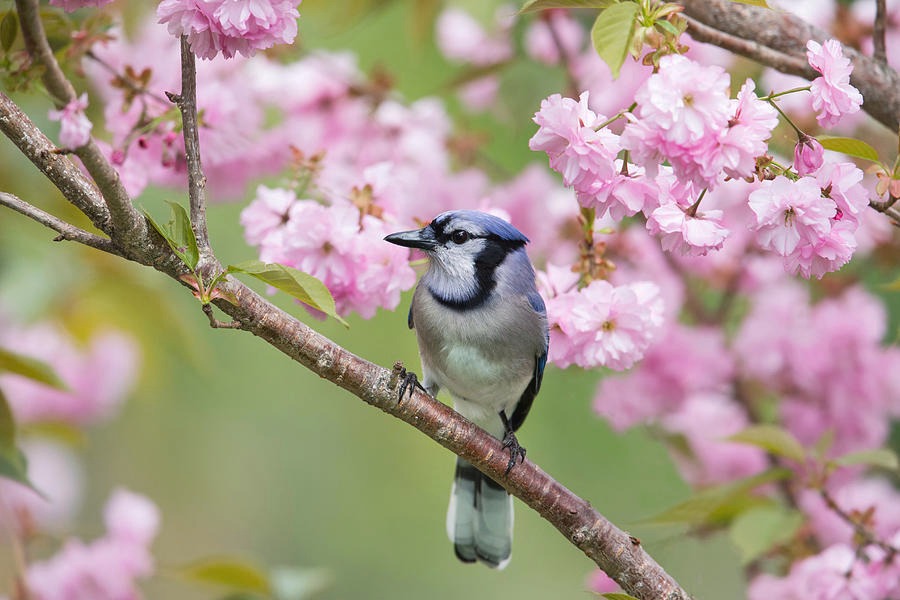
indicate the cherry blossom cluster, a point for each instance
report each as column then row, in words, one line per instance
column 96, row 378
column 227, row 28
column 109, row 566
column 684, row 117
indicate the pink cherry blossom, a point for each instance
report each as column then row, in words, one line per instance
column 704, row 420
column 683, row 362
column 541, row 42
column 108, row 567
column 267, row 214
column 75, row 127
column 748, row 130
column 98, row 377
column 339, row 247
column 684, row 233
column 601, row 583
column 603, row 325
column 836, row 573
column 229, row 27
column 682, row 111
column 808, row 155
column 625, row 194
column 58, row 474
column 72, row 5
column 460, row 37
column 832, row 94
column 584, row 157
column 790, row 213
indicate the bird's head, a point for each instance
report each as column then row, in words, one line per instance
column 466, row 248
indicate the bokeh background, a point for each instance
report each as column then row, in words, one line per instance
column 250, row 455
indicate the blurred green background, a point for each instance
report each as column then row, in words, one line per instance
column 247, row 454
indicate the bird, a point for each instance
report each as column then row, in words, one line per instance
column 481, row 328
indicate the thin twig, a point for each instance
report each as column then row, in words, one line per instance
column 216, row 323
column 863, row 533
column 563, row 54
column 66, row 231
column 879, row 48
column 187, row 104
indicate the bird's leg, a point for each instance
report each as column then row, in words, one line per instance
column 511, row 443
column 408, row 381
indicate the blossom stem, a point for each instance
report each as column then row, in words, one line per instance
column 773, row 95
column 786, row 118
column 616, row 116
column 692, row 211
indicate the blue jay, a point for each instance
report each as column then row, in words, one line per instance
column 481, row 327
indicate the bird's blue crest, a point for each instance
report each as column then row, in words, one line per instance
column 492, row 225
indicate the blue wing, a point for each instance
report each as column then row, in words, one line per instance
column 523, row 406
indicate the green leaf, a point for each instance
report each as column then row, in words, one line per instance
column 617, row 596
column 302, row 286
column 13, row 464
column 761, row 3
column 879, row 457
column 759, row 529
column 538, row 5
column 291, row 583
column 612, row 33
column 850, row 147
column 9, row 30
column 719, row 504
column 228, row 572
column 772, row 439
column 32, row 368
column 179, row 235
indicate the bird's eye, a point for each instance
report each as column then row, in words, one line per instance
column 459, row 236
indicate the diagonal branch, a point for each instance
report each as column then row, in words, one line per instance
column 757, row 32
column 66, row 231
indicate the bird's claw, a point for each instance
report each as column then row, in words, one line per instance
column 515, row 450
column 408, row 381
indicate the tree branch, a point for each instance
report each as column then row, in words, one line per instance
column 66, row 231
column 187, row 104
column 764, row 34
column 123, row 216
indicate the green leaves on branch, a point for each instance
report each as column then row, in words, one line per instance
column 612, row 34
column 538, row 5
column 13, row 464
column 243, row 580
column 718, row 505
column 760, row 3
column 302, row 286
column 756, row 531
column 878, row 457
column 9, row 30
column 179, row 235
column 26, row 366
column 850, row 147
column 774, row 440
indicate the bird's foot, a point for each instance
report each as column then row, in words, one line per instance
column 516, row 451
column 408, row 381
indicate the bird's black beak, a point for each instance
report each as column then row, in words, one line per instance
column 422, row 239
